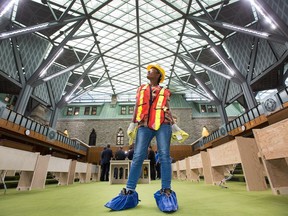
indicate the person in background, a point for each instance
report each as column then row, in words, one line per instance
column 101, row 163
column 157, row 166
column 120, row 154
column 151, row 157
column 106, row 156
column 130, row 152
column 92, row 138
column 66, row 132
column 205, row 132
column 153, row 117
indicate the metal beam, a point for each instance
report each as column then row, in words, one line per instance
column 279, row 22
column 35, row 28
column 200, row 82
column 219, row 51
column 240, row 29
column 181, row 33
column 138, row 40
column 53, row 53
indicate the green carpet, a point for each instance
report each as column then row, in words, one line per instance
column 193, row 198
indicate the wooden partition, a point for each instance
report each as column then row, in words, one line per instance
column 33, row 168
column 174, row 170
column 241, row 150
column 60, row 168
column 14, row 159
column 83, row 172
column 95, row 172
column 181, row 166
column 273, row 149
column 194, row 167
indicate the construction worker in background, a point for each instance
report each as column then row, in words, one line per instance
column 152, row 117
column 205, row 132
column 66, row 132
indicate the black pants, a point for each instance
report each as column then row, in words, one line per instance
column 152, row 171
column 105, row 172
column 158, row 171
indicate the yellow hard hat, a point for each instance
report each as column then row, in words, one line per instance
column 159, row 68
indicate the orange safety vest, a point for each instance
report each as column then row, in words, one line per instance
column 153, row 109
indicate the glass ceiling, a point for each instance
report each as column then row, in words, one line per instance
column 126, row 36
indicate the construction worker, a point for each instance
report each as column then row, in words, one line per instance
column 153, row 118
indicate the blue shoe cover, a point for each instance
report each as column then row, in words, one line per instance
column 166, row 202
column 123, row 201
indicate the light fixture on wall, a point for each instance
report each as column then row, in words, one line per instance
column 7, row 98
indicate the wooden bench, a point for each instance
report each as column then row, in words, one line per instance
column 95, row 172
column 23, row 161
column 194, row 167
column 181, row 169
column 83, row 172
column 241, row 150
column 61, row 170
column 273, row 149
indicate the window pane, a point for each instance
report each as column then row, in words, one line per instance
column 76, row 110
column 123, row 110
column 94, row 110
column 87, row 111
column 203, row 108
column 209, row 108
column 69, row 111
column 131, row 109
column 214, row 108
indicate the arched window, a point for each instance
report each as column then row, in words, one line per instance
column 120, row 137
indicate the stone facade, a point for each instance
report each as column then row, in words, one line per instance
column 107, row 129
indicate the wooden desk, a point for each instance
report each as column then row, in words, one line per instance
column 272, row 142
column 124, row 165
column 241, row 150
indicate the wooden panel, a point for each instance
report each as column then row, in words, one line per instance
column 81, row 167
column 195, row 162
column 58, row 164
column 182, row 165
column 224, row 154
column 14, row 159
column 272, row 140
column 252, row 168
column 207, row 172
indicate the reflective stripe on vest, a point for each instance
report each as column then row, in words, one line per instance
column 141, row 98
column 159, row 109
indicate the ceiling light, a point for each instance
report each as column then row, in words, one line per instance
column 24, row 30
column 8, row 6
column 73, row 90
column 44, row 71
column 267, row 18
column 232, row 72
column 233, row 27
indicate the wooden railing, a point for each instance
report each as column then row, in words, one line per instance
column 16, row 126
column 258, row 117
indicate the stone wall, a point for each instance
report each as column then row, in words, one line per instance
column 107, row 129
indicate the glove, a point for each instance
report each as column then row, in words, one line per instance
column 178, row 135
column 132, row 131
